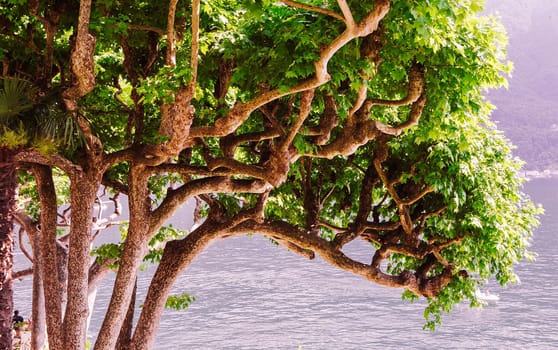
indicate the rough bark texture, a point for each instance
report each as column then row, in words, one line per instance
column 50, row 267
column 135, row 248
column 82, row 63
column 83, row 194
column 125, row 336
column 176, row 257
column 8, row 183
column 38, row 316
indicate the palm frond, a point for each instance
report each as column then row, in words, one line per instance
column 42, row 120
column 62, row 129
column 14, row 97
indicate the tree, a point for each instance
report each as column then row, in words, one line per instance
column 8, row 184
column 314, row 123
column 21, row 120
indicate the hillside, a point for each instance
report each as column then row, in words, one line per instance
column 528, row 111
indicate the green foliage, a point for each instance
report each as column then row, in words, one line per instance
column 109, row 254
column 64, row 129
column 28, row 195
column 179, row 302
column 26, row 120
column 156, row 245
column 160, row 87
column 158, row 185
column 257, row 46
column 285, row 41
column 13, row 138
column 458, row 290
column 14, row 97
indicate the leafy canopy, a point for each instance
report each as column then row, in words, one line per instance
column 356, row 119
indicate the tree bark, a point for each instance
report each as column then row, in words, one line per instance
column 8, row 183
column 38, row 318
column 49, row 251
column 176, row 257
column 125, row 336
column 135, row 248
column 83, row 194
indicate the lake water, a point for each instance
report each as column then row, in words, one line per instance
column 253, row 295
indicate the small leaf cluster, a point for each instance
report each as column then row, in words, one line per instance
column 179, row 302
column 156, row 244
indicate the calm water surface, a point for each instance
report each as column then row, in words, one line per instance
column 253, row 295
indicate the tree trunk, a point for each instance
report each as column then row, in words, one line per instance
column 8, row 183
column 83, row 194
column 176, row 257
column 62, row 259
column 125, row 336
column 134, row 250
column 38, row 328
column 49, row 256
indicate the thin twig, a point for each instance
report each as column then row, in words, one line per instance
column 22, row 246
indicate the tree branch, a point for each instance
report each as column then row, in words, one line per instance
column 347, row 14
column 308, row 254
column 54, row 159
column 16, row 275
column 170, row 58
column 415, row 89
column 146, row 28
column 82, row 62
column 305, row 108
column 197, row 187
column 240, row 112
column 230, row 142
column 313, row 9
column 195, row 46
column 236, row 167
column 428, row 287
column 414, row 116
column 22, row 245
column 328, row 122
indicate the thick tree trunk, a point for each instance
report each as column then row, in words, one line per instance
column 49, row 256
column 8, row 183
column 83, row 194
column 125, row 336
column 176, row 257
column 121, row 295
column 134, row 250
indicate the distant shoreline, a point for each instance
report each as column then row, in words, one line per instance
column 538, row 174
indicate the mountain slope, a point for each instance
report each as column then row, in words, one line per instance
column 528, row 111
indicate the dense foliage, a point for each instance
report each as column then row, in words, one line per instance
column 315, row 123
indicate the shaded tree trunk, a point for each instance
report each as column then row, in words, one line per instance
column 8, row 183
column 38, row 318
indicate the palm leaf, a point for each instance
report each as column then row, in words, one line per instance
column 43, row 123
column 14, row 98
column 62, row 129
